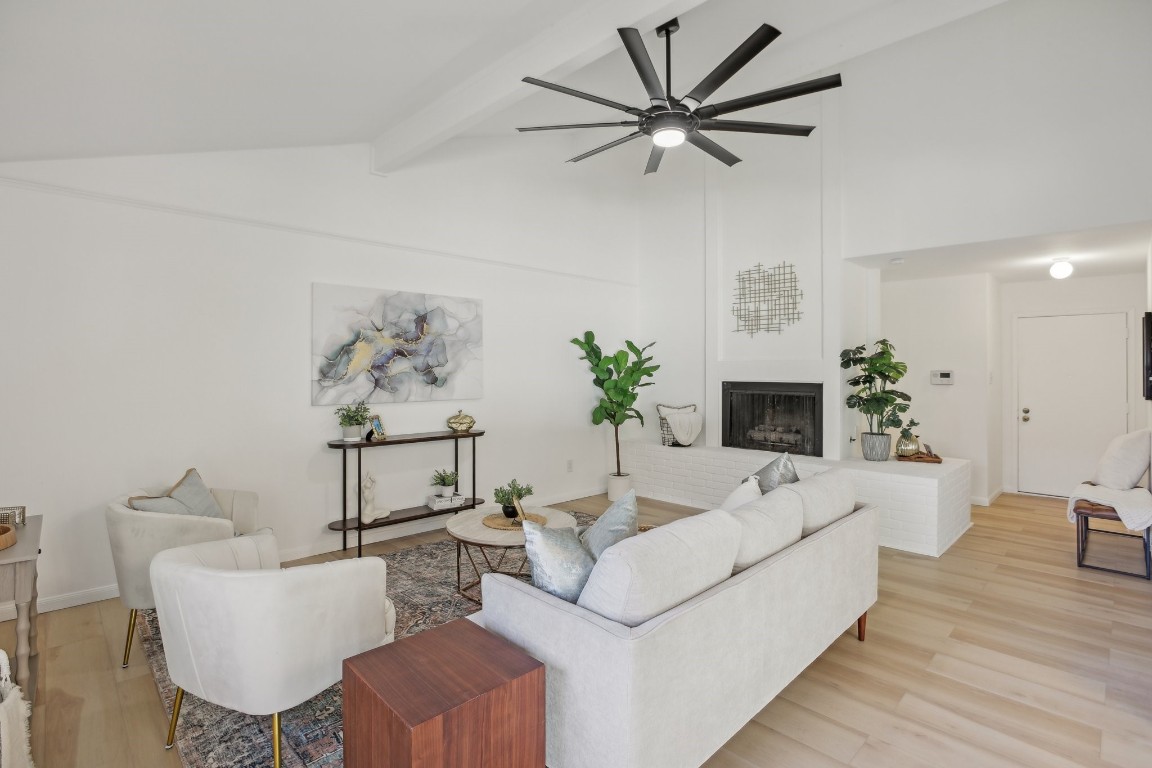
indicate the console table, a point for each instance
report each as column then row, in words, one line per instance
column 18, row 584
column 355, row 523
column 455, row 696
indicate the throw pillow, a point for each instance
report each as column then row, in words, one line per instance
column 664, row 410
column 770, row 523
column 1125, row 461
column 776, row 473
column 190, row 496
column 560, row 563
column 616, row 524
column 748, row 491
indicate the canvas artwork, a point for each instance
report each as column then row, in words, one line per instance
column 393, row 346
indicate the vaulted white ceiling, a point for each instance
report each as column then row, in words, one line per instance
column 133, row 77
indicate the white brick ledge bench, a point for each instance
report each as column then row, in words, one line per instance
column 924, row 508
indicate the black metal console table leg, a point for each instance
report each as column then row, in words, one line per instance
column 344, row 500
column 359, row 507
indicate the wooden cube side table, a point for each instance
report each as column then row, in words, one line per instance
column 456, row 696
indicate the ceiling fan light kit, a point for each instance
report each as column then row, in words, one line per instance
column 670, row 121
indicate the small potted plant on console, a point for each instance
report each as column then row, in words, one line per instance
column 445, row 481
column 354, row 418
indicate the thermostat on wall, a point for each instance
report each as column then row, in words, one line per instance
column 941, row 377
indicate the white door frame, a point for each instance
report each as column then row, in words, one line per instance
column 1011, row 381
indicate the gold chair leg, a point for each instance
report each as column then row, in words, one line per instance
column 175, row 716
column 275, row 740
column 128, row 641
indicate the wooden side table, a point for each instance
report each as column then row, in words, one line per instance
column 456, row 696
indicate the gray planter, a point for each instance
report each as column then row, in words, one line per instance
column 876, row 446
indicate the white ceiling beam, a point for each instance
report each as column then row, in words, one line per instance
column 577, row 39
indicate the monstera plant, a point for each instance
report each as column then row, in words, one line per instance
column 618, row 376
column 883, row 407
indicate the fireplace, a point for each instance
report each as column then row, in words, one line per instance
column 773, row 416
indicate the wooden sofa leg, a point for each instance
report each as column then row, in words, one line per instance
column 861, row 626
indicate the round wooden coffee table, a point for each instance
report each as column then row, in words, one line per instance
column 474, row 538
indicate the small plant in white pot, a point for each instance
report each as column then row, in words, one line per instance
column 353, row 419
column 445, row 481
column 882, row 406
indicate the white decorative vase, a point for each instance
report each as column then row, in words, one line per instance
column 618, row 485
column 876, row 446
column 447, row 490
column 354, row 433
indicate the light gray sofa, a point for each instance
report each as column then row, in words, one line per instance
column 670, row 691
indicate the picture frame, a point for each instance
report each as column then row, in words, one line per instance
column 377, row 426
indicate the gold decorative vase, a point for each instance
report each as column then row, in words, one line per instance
column 908, row 446
column 461, row 422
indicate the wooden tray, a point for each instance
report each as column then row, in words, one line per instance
column 922, row 458
column 7, row 536
column 501, row 523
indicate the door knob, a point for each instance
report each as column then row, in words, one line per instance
column 1026, row 418
column 1027, row 410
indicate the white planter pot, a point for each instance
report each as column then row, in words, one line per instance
column 355, row 432
column 446, row 490
column 618, row 485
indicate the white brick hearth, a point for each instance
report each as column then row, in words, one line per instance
column 924, row 508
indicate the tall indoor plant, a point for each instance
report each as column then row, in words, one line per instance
column 617, row 375
column 881, row 405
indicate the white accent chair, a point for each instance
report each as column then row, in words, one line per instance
column 241, row 633
column 136, row 537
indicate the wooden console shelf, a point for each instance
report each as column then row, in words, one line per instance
column 346, row 523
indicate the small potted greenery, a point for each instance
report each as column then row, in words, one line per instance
column 881, row 405
column 353, row 419
column 507, row 495
column 908, row 444
column 445, row 480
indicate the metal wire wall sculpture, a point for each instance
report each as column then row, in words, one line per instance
column 766, row 300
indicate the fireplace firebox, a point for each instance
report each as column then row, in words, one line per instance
column 773, row 416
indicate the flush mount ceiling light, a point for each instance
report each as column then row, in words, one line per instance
column 671, row 121
column 1060, row 269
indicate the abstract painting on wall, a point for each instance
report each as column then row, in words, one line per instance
column 392, row 346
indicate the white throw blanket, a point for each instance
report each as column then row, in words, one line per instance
column 685, row 426
column 1134, row 506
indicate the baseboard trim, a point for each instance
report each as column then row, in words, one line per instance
column 67, row 600
column 986, row 501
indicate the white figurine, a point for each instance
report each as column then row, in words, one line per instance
column 370, row 512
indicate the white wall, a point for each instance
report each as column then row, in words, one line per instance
column 1030, row 117
column 156, row 316
column 948, row 324
column 1120, row 293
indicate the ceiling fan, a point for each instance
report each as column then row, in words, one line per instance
column 671, row 121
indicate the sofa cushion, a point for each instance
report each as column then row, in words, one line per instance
column 777, row 472
column 826, row 498
column 1124, row 462
column 746, row 492
column 190, row 496
column 644, row 576
column 770, row 523
column 616, row 524
column 560, row 563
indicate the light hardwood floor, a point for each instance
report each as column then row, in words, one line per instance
column 999, row 653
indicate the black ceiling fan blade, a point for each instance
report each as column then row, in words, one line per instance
column 745, row 126
column 609, row 145
column 756, row 42
column 768, row 97
column 585, row 96
column 623, row 123
column 634, row 44
column 654, row 158
column 701, row 141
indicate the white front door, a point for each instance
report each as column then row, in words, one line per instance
column 1072, row 397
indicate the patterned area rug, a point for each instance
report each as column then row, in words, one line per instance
column 422, row 585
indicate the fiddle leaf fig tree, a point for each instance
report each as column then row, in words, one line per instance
column 617, row 375
column 881, row 405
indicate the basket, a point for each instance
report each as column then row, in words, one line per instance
column 666, row 436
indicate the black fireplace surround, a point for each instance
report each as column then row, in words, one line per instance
column 773, row 416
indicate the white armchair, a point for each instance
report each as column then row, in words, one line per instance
column 243, row 634
column 136, row 537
